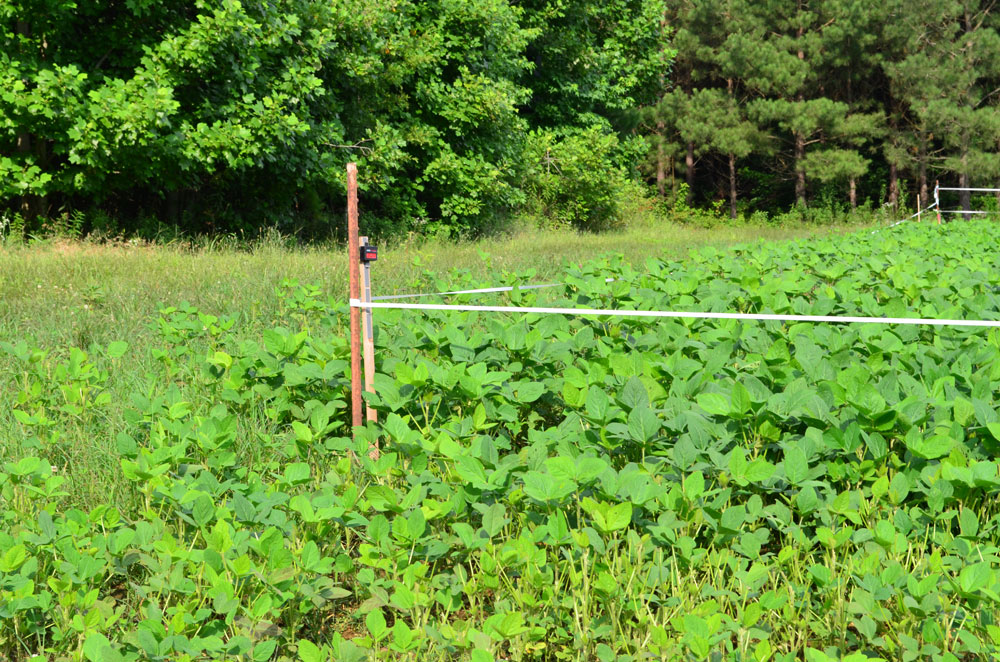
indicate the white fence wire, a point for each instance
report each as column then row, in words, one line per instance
column 598, row 312
column 484, row 290
column 389, row 302
column 908, row 218
column 954, row 189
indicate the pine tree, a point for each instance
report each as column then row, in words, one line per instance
column 718, row 41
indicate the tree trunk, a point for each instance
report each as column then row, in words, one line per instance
column 174, row 207
column 800, row 173
column 732, row 185
column 661, row 161
column 964, row 197
column 661, row 157
column 23, row 140
column 673, row 180
column 800, row 138
column 893, row 186
column 689, row 165
column 922, row 169
column 853, row 193
column 732, row 164
column 24, row 147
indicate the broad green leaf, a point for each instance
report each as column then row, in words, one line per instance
column 715, row 404
column 974, row 577
column 732, row 518
column 598, row 403
column 964, row 411
column 796, row 465
column 25, row 466
column 968, row 523
column 203, row 510
column 297, row 473
column 263, row 650
column 643, row 425
column 899, row 488
column 738, row 465
column 471, row 471
column 402, row 635
column 375, row 622
column 759, row 470
column 527, row 392
column 310, row 652
column 929, row 448
column 13, row 558
column 635, row 395
column 117, row 349
column 740, row 398
column 694, row 485
column 618, row 517
column 97, row 648
column 994, row 429
column 880, row 487
column 494, row 519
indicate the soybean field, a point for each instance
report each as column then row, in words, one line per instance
column 549, row 487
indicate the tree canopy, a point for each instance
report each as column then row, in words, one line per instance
column 237, row 116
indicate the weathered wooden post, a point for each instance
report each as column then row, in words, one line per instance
column 354, row 273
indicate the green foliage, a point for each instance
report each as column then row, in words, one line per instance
column 441, row 104
column 594, row 58
column 842, row 96
column 235, row 97
column 826, row 121
column 547, row 486
column 232, row 116
column 572, row 180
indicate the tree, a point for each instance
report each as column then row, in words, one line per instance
column 592, row 64
column 852, row 46
column 593, row 60
column 960, row 114
column 246, row 112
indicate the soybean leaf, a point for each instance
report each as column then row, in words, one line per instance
column 643, row 424
column 796, row 465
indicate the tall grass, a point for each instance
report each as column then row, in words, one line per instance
column 61, row 293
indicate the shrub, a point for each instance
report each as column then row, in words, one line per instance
column 573, row 177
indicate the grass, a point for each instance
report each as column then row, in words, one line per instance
column 61, row 293
column 661, row 557
column 72, row 293
column 58, row 294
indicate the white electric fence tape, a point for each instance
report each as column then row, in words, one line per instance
column 960, row 211
column 597, row 312
column 913, row 215
column 974, row 190
column 509, row 288
column 380, row 302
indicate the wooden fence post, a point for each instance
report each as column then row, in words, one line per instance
column 354, row 272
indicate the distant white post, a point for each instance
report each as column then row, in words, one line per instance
column 937, row 201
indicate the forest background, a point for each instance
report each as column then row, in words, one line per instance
column 122, row 116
